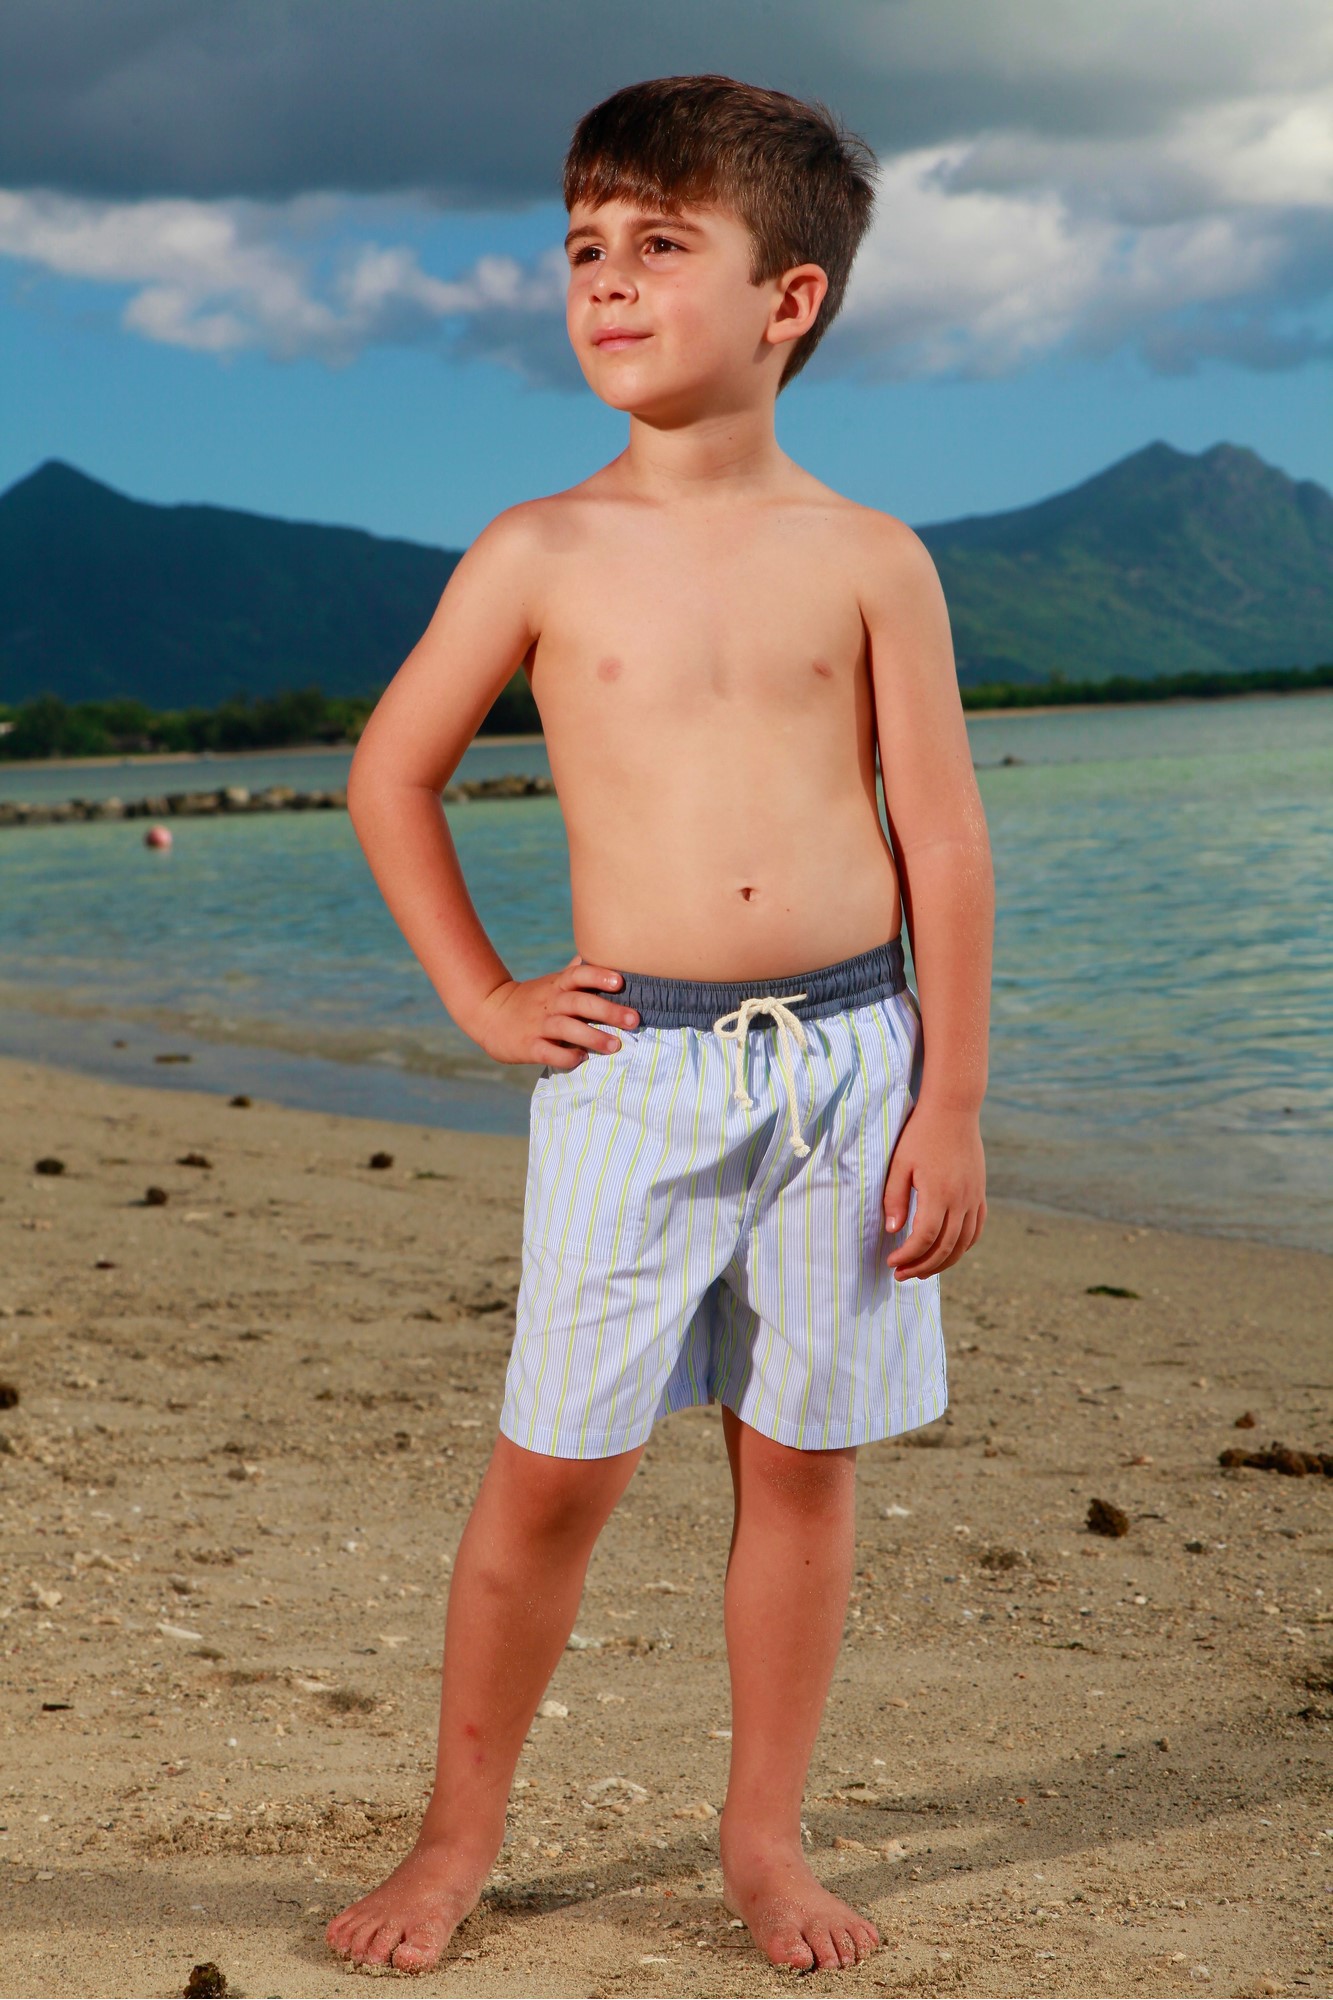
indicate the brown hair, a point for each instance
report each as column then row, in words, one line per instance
column 800, row 182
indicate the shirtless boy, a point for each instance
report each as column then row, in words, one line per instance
column 724, row 1201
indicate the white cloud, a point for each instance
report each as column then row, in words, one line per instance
column 962, row 279
column 222, row 277
column 1095, row 178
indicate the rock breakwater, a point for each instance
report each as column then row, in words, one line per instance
column 225, row 799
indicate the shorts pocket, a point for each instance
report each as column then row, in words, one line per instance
column 562, row 1089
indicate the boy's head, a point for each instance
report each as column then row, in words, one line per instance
column 799, row 184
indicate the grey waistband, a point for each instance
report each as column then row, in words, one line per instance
column 698, row 1003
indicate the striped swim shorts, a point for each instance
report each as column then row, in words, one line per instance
column 704, row 1220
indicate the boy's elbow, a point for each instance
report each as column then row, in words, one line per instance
column 367, row 784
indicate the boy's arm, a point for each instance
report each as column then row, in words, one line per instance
column 938, row 830
column 482, row 629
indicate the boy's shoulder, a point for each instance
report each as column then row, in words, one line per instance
column 885, row 555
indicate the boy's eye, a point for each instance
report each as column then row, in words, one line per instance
column 662, row 243
column 586, row 253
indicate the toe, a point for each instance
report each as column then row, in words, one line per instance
column 823, row 1947
column 356, row 1937
column 419, row 1950
column 361, row 1944
column 790, row 1948
column 385, row 1942
column 338, row 1931
column 846, row 1947
column 867, row 1939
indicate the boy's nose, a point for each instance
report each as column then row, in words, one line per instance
column 613, row 284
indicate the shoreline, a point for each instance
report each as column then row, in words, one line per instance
column 460, row 1103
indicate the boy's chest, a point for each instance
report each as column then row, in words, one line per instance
column 648, row 628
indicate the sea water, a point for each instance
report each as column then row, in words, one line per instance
column 1163, row 1002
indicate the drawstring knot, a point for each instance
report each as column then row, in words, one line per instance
column 789, row 1027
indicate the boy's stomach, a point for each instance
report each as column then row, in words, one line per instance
column 732, row 894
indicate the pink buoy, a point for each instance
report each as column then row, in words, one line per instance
column 157, row 836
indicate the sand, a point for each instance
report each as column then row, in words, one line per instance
column 251, row 1420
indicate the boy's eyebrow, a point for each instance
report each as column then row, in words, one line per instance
column 678, row 223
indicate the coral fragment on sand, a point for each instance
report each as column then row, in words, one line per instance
column 1105, row 1518
column 206, row 1982
column 1279, row 1458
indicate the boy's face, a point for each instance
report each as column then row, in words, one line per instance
column 661, row 308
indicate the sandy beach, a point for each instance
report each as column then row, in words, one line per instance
column 250, row 1420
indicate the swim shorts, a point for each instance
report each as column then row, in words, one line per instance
column 704, row 1220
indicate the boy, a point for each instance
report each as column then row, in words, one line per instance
column 726, row 1197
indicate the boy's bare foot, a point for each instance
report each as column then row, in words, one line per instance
column 407, row 1922
column 791, row 1916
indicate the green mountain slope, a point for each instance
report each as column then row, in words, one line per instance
column 1163, row 564
column 101, row 595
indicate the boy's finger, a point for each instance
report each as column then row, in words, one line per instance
column 578, row 973
column 906, row 1261
column 594, row 1007
column 944, row 1249
column 556, row 1055
column 923, row 1227
column 568, row 1028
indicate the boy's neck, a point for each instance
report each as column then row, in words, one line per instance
column 705, row 457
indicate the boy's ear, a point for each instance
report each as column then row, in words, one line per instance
column 800, row 295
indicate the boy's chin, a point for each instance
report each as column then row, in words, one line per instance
column 634, row 396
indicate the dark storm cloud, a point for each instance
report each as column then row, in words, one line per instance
column 474, row 99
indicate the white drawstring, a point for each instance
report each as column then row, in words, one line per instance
column 788, row 1025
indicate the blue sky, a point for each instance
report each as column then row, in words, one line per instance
column 300, row 260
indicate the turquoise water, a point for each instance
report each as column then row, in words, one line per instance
column 1161, row 1045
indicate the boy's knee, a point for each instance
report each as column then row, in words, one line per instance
column 809, row 1481
column 561, row 1496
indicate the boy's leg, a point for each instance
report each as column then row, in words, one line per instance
column 788, row 1579
column 517, row 1580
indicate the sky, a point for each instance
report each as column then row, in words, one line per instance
column 303, row 256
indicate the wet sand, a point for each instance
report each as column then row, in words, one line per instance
column 251, row 1420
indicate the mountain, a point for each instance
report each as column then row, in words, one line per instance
column 102, row 595
column 1166, row 563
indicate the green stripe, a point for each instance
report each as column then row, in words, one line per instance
column 808, row 1205
column 661, row 1233
column 878, row 1250
column 781, row 1151
column 835, row 1163
column 689, row 1217
column 897, row 1287
column 615, row 1247
column 587, row 1254
column 560, row 1259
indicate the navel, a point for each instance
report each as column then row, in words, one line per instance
column 747, row 893
column 824, row 670
column 609, row 669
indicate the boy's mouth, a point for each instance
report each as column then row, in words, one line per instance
column 613, row 338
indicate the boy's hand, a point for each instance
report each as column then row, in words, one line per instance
column 939, row 1155
column 549, row 1020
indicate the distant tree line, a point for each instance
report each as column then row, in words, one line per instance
column 49, row 727
column 1058, row 692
